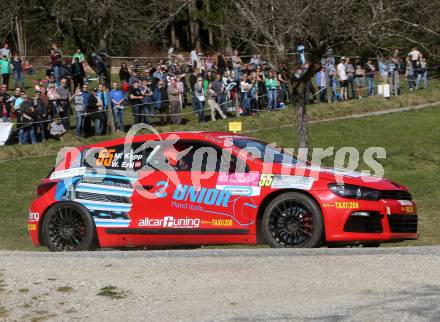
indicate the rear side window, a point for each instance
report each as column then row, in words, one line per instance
column 114, row 157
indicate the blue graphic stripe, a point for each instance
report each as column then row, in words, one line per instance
column 93, row 206
column 104, row 191
column 99, row 222
column 250, row 205
column 96, row 175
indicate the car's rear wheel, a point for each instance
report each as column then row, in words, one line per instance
column 68, row 226
column 293, row 220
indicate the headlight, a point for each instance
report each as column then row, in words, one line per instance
column 354, row 192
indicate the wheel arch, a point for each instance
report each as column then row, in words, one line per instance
column 267, row 199
column 43, row 217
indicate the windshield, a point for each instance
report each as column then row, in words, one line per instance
column 265, row 152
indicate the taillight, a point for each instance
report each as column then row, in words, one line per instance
column 45, row 187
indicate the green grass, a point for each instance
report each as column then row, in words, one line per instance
column 411, row 140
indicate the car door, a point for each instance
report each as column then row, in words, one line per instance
column 189, row 197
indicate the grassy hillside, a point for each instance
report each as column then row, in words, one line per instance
column 411, row 140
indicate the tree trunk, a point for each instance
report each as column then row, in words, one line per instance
column 194, row 26
column 20, row 37
column 174, row 40
column 302, row 119
column 210, row 31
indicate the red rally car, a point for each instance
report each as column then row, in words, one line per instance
column 210, row 188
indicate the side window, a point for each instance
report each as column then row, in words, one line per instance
column 114, row 157
column 199, row 156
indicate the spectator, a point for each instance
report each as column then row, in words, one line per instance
column 175, row 106
column 194, row 58
column 40, row 106
column 57, row 129
column 331, row 74
column 199, row 92
column 342, row 76
column 56, row 58
column 218, row 87
column 394, row 75
column 321, row 83
column 28, row 68
column 349, row 70
column 284, row 87
column 5, row 51
column 79, row 55
column 78, row 73
column 5, row 109
column 236, row 65
column 220, row 62
column 93, row 110
column 383, row 70
column 256, row 61
column 369, row 73
column 5, row 70
column 213, row 105
column 124, row 73
column 359, row 79
column 64, row 103
column 272, row 89
column 410, row 73
column 414, row 55
column 87, row 120
column 104, row 99
column 27, row 117
column 136, row 99
column 161, row 102
column 245, row 87
column 80, row 111
column 17, row 98
column 422, row 74
column 147, row 93
column 261, row 88
column 17, row 69
column 117, row 99
column 54, row 97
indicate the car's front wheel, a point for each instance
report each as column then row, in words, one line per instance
column 67, row 226
column 293, row 220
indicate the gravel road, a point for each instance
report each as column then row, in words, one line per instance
column 357, row 284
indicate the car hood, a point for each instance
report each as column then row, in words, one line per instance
column 338, row 175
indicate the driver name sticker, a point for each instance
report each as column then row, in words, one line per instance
column 296, row 182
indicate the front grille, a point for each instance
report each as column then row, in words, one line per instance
column 395, row 194
column 360, row 224
column 403, row 223
column 101, row 197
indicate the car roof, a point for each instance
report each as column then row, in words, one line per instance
column 210, row 136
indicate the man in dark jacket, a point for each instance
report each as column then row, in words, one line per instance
column 78, row 74
column 92, row 110
column 27, row 117
column 40, row 115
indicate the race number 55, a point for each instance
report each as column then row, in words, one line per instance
column 265, row 180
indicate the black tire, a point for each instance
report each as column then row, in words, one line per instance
column 292, row 220
column 68, row 226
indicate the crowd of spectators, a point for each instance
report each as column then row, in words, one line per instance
column 159, row 93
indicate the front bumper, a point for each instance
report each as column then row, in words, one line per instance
column 387, row 221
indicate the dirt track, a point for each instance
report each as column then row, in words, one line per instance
column 386, row 284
